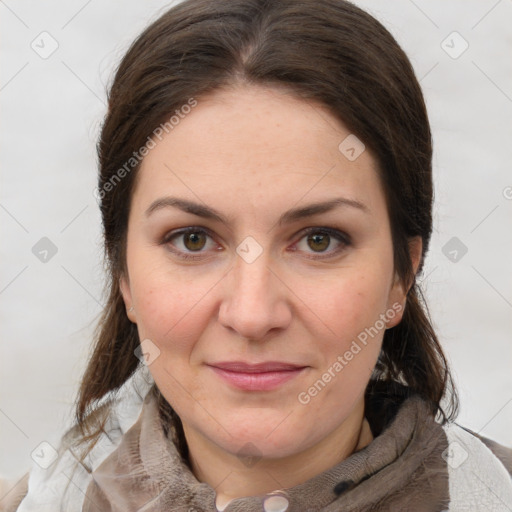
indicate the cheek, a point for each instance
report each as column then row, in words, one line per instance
column 173, row 305
column 349, row 333
column 348, row 336
column 170, row 313
column 347, row 304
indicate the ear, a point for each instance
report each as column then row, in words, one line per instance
column 398, row 294
column 124, row 286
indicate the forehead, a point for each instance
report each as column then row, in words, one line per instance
column 257, row 146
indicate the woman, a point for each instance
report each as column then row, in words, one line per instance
column 266, row 195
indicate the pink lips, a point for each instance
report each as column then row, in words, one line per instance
column 256, row 377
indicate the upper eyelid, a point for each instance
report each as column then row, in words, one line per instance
column 187, row 229
column 343, row 237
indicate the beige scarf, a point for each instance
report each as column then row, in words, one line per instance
column 401, row 469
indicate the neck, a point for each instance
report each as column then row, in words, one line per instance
column 232, row 477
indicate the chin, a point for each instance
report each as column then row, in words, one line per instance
column 252, row 448
column 262, row 439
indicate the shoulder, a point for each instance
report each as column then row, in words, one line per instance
column 62, row 484
column 479, row 471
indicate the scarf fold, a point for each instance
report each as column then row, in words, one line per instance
column 402, row 467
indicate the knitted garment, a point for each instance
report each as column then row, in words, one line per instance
column 413, row 464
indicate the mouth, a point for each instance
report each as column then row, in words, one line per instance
column 264, row 376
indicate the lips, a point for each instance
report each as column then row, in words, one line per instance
column 263, row 376
column 271, row 366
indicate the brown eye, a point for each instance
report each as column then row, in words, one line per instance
column 194, row 241
column 185, row 242
column 319, row 242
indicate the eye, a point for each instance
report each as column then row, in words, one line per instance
column 185, row 242
column 189, row 240
column 321, row 239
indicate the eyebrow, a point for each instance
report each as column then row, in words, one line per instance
column 287, row 217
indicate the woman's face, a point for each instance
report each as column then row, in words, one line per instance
column 304, row 292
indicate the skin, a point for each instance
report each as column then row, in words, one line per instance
column 252, row 153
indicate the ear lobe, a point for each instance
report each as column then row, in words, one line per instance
column 415, row 250
column 124, row 287
column 396, row 312
column 398, row 293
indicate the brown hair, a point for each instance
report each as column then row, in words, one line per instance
column 328, row 51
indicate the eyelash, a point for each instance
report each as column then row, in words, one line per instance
column 341, row 237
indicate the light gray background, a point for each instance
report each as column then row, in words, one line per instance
column 51, row 113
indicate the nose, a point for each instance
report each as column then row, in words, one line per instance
column 255, row 299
